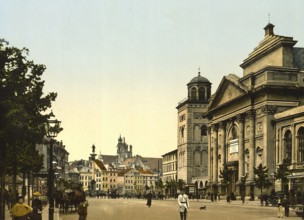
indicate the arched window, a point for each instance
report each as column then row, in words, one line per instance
column 204, row 130
column 288, row 144
column 208, row 92
column 204, row 157
column 301, row 144
column 233, row 140
column 201, row 93
column 193, row 94
column 182, row 134
column 197, row 133
column 197, row 158
column 234, row 132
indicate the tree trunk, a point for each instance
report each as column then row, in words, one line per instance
column 2, row 180
column 28, row 189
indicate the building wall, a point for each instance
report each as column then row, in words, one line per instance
column 169, row 166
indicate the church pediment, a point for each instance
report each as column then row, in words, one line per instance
column 229, row 89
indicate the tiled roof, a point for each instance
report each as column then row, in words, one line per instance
column 142, row 171
column 123, row 171
column 107, row 159
column 298, row 57
column 100, row 164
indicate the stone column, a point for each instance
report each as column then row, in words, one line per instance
column 215, row 153
column 222, row 127
column 294, row 152
column 240, row 120
column 209, row 155
column 251, row 116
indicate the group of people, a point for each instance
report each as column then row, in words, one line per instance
column 23, row 211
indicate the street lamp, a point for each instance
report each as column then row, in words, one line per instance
column 52, row 130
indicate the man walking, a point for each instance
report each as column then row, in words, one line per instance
column 183, row 203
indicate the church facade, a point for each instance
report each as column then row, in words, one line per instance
column 258, row 118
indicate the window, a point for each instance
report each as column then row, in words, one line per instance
column 197, row 158
column 193, row 94
column 204, row 130
column 301, row 144
column 234, row 132
column 197, row 133
column 201, row 93
column 288, row 144
column 182, row 132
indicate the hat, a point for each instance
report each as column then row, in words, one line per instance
column 36, row 194
column 20, row 197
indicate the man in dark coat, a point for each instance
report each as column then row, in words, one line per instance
column 83, row 210
column 37, row 207
column 149, row 199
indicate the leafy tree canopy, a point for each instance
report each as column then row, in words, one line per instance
column 261, row 177
column 22, row 108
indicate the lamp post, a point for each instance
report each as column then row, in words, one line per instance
column 52, row 130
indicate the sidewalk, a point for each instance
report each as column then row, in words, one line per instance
column 253, row 203
column 45, row 213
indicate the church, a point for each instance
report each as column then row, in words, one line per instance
column 258, row 118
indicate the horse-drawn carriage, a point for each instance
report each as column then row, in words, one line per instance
column 69, row 200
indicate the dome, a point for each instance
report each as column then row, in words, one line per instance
column 199, row 79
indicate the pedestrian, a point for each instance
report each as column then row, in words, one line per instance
column 83, row 210
column 6, row 198
column 286, row 204
column 228, row 198
column 149, row 199
column 37, row 207
column 183, row 203
column 280, row 208
column 243, row 198
column 10, row 198
column 21, row 211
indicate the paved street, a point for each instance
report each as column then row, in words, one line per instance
column 134, row 209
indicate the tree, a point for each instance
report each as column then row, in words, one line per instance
column 261, row 179
column 171, row 187
column 282, row 172
column 22, row 112
column 159, row 184
column 180, row 184
column 226, row 174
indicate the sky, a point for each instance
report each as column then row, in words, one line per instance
column 120, row 67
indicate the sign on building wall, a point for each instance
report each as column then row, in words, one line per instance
column 234, row 146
